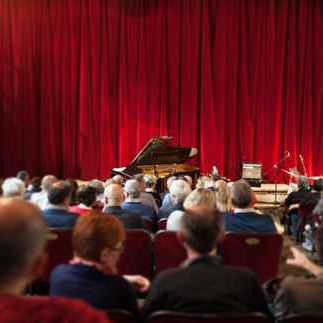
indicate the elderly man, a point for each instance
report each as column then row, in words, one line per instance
column 57, row 214
column 13, row 187
column 134, row 203
column 114, row 196
column 22, row 242
column 40, row 198
column 179, row 190
column 203, row 284
column 245, row 219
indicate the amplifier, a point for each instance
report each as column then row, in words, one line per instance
column 252, row 173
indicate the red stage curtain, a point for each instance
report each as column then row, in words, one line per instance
column 85, row 83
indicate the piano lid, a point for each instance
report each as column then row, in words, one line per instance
column 159, row 151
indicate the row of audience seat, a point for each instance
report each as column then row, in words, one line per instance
column 146, row 256
column 175, row 317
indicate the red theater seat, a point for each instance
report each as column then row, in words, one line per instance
column 136, row 257
column 299, row 318
column 257, row 251
column 161, row 225
column 168, row 250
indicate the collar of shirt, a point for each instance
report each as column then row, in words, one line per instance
column 56, row 207
column 247, row 210
column 133, row 200
column 83, row 206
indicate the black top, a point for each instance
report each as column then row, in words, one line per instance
column 206, row 286
column 86, row 283
column 296, row 197
column 130, row 220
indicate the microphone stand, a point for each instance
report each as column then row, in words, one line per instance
column 275, row 168
column 304, row 168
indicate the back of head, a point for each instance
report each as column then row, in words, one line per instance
column 98, row 185
column 114, row 195
column 303, row 184
column 170, row 181
column 179, row 190
column 223, row 198
column 59, row 192
column 202, row 182
column 318, row 185
column 48, row 181
column 150, row 181
column 117, row 179
column 86, row 195
column 22, row 238
column 201, row 230
column 132, row 188
column 35, row 182
column 13, row 187
column 23, row 175
column 241, row 194
column 95, row 232
column 200, row 197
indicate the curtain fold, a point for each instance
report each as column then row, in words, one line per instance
column 84, row 84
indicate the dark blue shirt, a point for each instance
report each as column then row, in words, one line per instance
column 146, row 211
column 88, row 284
column 248, row 222
column 60, row 218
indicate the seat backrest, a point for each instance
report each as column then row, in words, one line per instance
column 169, row 252
column 149, row 224
column 121, row 316
column 161, row 225
column 257, row 251
column 59, row 250
column 137, row 254
column 301, row 318
column 175, row 317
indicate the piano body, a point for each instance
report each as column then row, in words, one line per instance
column 161, row 159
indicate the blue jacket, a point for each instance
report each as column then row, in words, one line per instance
column 248, row 222
column 144, row 210
column 60, row 218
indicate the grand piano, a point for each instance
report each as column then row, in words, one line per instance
column 161, row 159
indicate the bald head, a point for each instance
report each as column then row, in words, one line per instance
column 22, row 238
column 114, row 195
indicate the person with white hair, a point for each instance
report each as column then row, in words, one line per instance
column 133, row 202
column 41, row 199
column 166, row 200
column 150, row 184
column 178, row 192
column 13, row 187
column 199, row 198
column 114, row 197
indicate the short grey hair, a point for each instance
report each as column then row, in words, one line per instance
column 150, row 180
column 13, row 187
column 179, row 190
column 200, row 197
column 97, row 185
column 132, row 188
column 47, row 182
column 241, row 194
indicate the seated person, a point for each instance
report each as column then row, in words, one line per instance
column 222, row 192
column 179, row 190
column 245, row 219
column 40, row 198
column 114, row 197
column 133, row 202
column 34, row 187
column 165, row 196
column 22, row 243
column 203, row 284
column 86, row 197
column 302, row 295
column 57, row 214
column 199, row 198
column 150, row 184
column 13, row 187
column 92, row 275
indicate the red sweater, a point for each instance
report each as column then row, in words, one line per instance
column 16, row 309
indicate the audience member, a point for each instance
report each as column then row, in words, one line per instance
column 86, row 197
column 118, row 179
column 245, row 219
column 133, row 202
column 166, row 200
column 34, row 187
column 150, row 184
column 24, row 176
column 74, row 187
column 22, row 243
column 13, row 187
column 114, row 197
column 99, row 187
column 145, row 197
column 203, row 284
column 179, row 190
column 201, row 198
column 222, row 192
column 92, row 275
column 40, row 198
column 189, row 180
column 57, row 214
column 298, row 295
